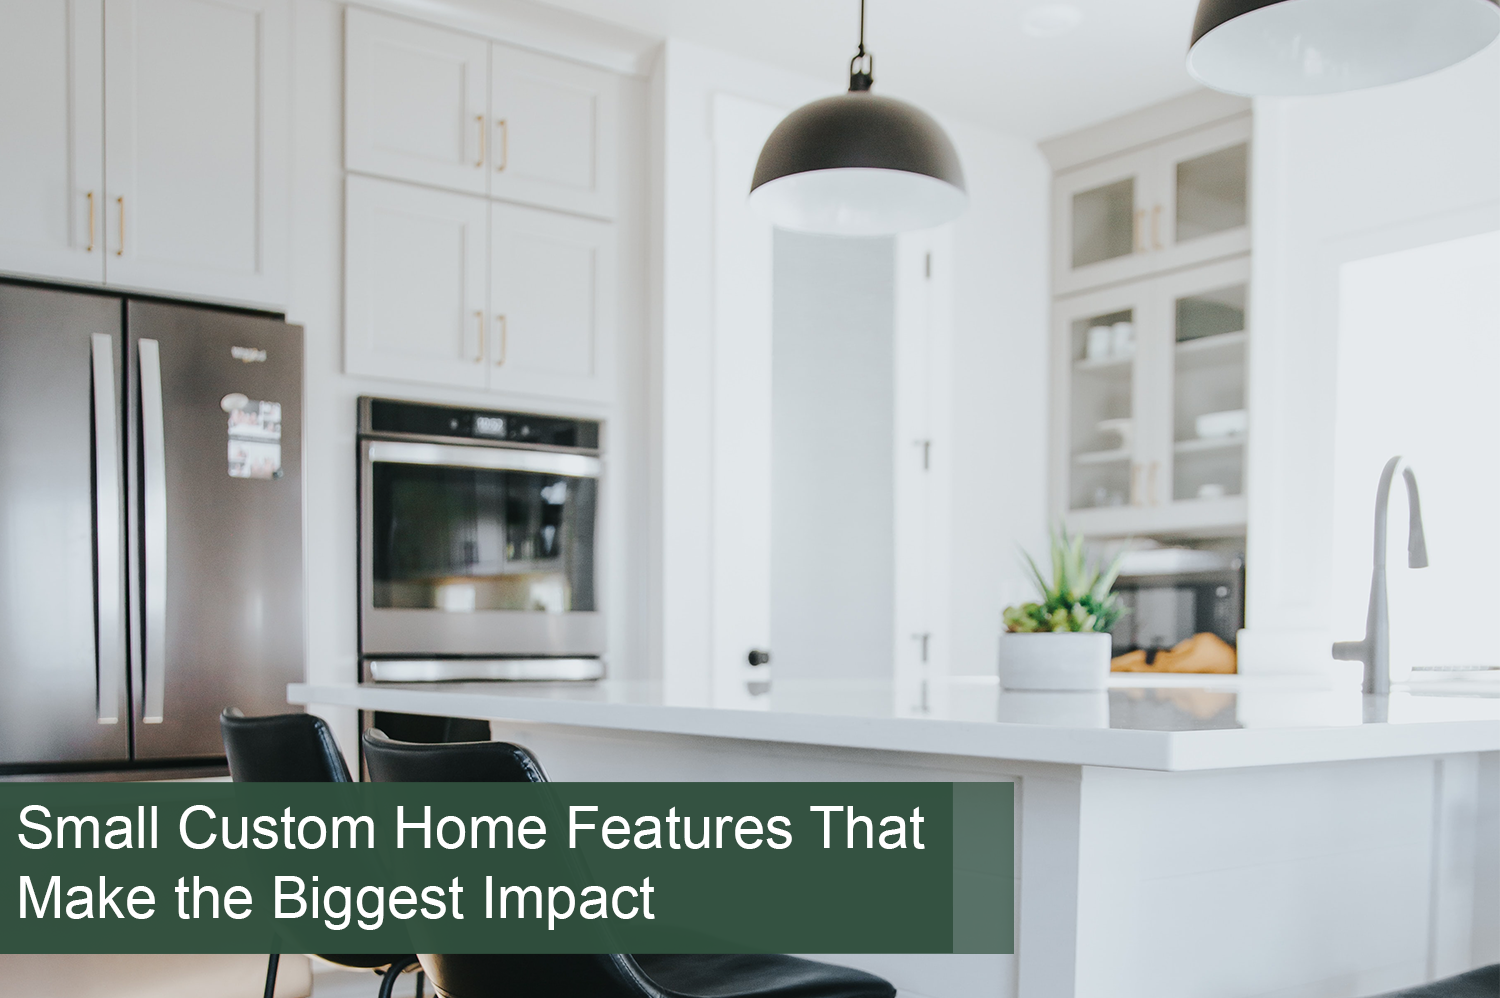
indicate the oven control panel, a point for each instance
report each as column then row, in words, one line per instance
column 389, row 417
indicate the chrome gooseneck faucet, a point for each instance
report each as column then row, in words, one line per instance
column 1375, row 649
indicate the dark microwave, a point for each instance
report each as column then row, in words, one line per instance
column 1170, row 596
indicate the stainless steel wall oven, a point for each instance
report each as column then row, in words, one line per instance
column 478, row 544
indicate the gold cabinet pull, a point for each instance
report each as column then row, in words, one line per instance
column 1156, row 227
column 482, row 135
column 121, row 202
column 504, row 337
column 91, row 222
column 479, row 353
column 504, row 127
column 1155, row 467
column 1137, row 233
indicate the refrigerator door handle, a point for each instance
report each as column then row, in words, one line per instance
column 111, row 661
column 154, row 516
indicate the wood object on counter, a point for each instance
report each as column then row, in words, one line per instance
column 1202, row 653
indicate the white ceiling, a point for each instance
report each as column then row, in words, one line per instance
column 964, row 58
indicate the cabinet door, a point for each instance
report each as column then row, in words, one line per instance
column 196, row 129
column 414, row 102
column 555, row 124
column 1100, row 212
column 1106, row 419
column 414, row 283
column 52, row 157
column 1208, row 338
column 1202, row 206
column 552, row 295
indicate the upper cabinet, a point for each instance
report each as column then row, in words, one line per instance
column 445, row 109
column 52, row 157
column 555, row 126
column 415, row 102
column 1149, row 419
column 552, row 301
column 414, row 284
column 195, row 134
column 1172, row 204
column 147, row 145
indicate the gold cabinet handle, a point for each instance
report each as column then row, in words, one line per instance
column 1156, row 227
column 1155, row 467
column 504, row 127
column 479, row 353
column 482, row 135
column 121, row 202
column 504, row 338
column 91, row 222
column 1136, row 232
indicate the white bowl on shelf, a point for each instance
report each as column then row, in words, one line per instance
column 1228, row 423
column 1124, row 426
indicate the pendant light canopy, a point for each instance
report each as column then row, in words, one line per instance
column 1288, row 48
column 857, row 164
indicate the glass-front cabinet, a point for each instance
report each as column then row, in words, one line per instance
column 1149, row 404
column 1177, row 203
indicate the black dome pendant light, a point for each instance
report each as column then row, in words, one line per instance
column 857, row 164
column 1290, row 48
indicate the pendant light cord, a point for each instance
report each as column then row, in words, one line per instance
column 861, row 77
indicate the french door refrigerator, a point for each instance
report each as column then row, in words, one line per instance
column 150, row 527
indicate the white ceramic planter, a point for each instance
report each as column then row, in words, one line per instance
column 1054, row 661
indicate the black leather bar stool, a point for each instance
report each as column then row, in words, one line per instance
column 299, row 748
column 1482, row 982
column 605, row 975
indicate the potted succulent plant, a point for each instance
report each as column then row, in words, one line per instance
column 1062, row 641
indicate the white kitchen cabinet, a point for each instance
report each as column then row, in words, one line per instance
column 414, row 286
column 1130, row 455
column 554, row 142
column 1174, row 203
column 415, row 102
column 52, row 156
column 196, row 139
column 552, row 299
column 446, row 109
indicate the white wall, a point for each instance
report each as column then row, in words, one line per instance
column 316, row 299
column 1419, row 359
column 1338, row 179
column 998, row 384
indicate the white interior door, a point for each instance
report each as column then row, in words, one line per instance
column 414, row 283
column 196, row 122
column 922, row 462
column 554, row 132
column 742, row 333
column 52, row 158
column 414, row 102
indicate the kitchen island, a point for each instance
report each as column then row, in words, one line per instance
column 1343, row 844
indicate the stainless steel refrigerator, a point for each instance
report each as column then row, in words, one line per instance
column 150, row 527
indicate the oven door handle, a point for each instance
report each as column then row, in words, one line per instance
column 488, row 458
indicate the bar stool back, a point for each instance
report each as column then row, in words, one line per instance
column 297, row 748
column 602, row 975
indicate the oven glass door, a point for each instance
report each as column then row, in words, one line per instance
column 469, row 529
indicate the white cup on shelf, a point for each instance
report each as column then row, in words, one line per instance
column 1098, row 344
column 1122, row 338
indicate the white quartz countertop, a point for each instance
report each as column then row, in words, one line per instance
column 1187, row 723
